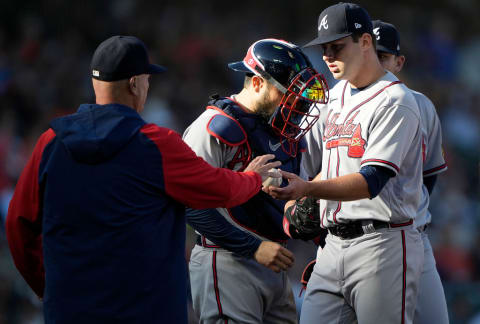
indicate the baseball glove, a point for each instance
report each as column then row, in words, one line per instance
column 302, row 220
column 307, row 273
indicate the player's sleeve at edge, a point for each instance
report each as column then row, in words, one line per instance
column 192, row 181
column 436, row 170
column 389, row 165
column 435, row 159
column 211, row 224
column 24, row 220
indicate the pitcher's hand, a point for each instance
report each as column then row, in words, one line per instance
column 296, row 189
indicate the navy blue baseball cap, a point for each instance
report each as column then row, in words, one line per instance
column 121, row 57
column 342, row 20
column 273, row 59
column 388, row 37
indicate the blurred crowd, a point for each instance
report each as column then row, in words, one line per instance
column 45, row 51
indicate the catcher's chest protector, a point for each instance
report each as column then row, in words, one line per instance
column 252, row 136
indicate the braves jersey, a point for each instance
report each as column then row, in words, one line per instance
column 231, row 142
column 432, row 152
column 379, row 125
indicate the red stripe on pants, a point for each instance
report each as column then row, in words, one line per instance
column 215, row 285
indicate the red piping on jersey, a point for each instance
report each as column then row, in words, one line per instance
column 328, row 168
column 343, row 92
column 252, row 230
column 424, row 148
column 339, row 206
column 430, row 171
column 338, row 161
column 336, row 212
column 323, row 214
column 404, row 279
column 328, row 172
column 382, row 161
column 368, row 99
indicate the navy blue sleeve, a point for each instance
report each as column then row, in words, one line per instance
column 211, row 224
column 376, row 177
column 429, row 182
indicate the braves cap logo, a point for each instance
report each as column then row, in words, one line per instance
column 323, row 23
column 376, row 31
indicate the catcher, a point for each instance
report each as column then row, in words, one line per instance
column 247, row 242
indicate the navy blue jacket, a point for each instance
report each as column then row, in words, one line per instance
column 97, row 222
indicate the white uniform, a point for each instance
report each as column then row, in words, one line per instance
column 431, row 304
column 372, row 278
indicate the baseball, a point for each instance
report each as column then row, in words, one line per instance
column 270, row 181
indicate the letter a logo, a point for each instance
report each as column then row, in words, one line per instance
column 376, row 31
column 323, row 23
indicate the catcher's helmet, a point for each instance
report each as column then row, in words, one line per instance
column 285, row 66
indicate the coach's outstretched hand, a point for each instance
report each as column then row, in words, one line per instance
column 274, row 256
column 296, row 189
column 260, row 165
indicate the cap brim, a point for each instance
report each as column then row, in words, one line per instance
column 239, row 67
column 155, row 69
column 323, row 40
column 381, row 48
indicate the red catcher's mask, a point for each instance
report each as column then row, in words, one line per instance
column 298, row 110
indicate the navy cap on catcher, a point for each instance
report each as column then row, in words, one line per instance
column 121, row 57
column 342, row 20
column 387, row 36
column 286, row 67
column 276, row 60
